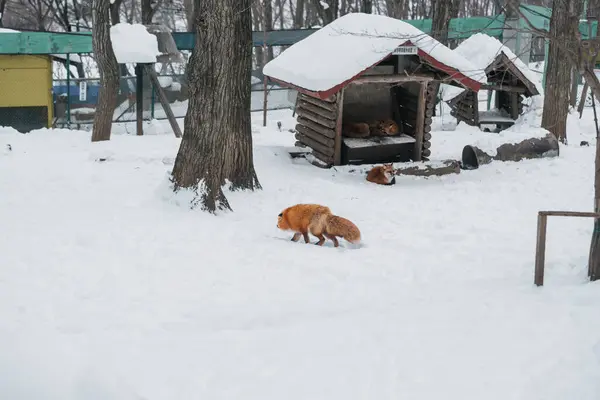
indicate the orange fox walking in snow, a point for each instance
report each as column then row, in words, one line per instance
column 319, row 221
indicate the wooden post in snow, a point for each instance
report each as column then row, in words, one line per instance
column 139, row 99
column 540, row 248
column 163, row 99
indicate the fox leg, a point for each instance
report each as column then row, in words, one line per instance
column 321, row 239
column 306, row 238
column 334, row 239
column 296, row 237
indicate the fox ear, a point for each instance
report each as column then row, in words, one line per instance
column 280, row 215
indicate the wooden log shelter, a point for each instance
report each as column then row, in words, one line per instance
column 370, row 71
column 507, row 77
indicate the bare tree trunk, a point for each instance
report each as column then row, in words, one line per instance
column 268, row 21
column 147, row 12
column 217, row 141
column 366, row 6
column 280, row 17
column 188, row 6
column 564, row 29
column 443, row 11
column 327, row 13
column 2, row 8
column 299, row 16
column 108, row 69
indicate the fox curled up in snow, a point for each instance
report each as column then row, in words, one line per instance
column 382, row 175
column 319, row 221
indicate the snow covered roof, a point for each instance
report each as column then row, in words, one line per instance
column 132, row 43
column 334, row 55
column 72, row 58
column 483, row 50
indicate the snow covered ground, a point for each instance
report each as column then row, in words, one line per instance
column 107, row 291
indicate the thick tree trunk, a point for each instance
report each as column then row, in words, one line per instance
column 366, row 6
column 217, row 141
column 147, row 12
column 108, row 69
column 564, row 26
column 443, row 11
column 299, row 16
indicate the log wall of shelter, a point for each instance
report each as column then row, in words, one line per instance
column 406, row 98
column 316, row 127
column 465, row 107
column 430, row 98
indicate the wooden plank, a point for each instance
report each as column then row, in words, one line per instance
column 504, row 88
column 540, row 249
column 391, row 79
column 420, row 122
column 313, row 144
column 337, row 157
column 326, row 159
column 317, row 102
column 324, row 140
column 330, row 133
column 303, row 105
column 570, row 214
column 163, row 99
column 317, row 119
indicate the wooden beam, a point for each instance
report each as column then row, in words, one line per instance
column 324, row 140
column 391, row 79
column 330, row 133
column 313, row 144
column 304, row 105
column 337, row 155
column 420, row 122
column 316, row 118
column 139, row 99
column 163, row 99
column 540, row 247
column 317, row 102
column 570, row 214
column 504, row 88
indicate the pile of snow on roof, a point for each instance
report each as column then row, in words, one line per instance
column 132, row 43
column 482, row 50
column 350, row 45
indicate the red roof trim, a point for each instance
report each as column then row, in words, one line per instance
column 454, row 74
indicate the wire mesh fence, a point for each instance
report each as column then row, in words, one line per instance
column 75, row 100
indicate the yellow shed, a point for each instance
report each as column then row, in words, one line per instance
column 26, row 87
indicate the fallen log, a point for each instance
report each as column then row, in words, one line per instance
column 438, row 168
column 547, row 146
